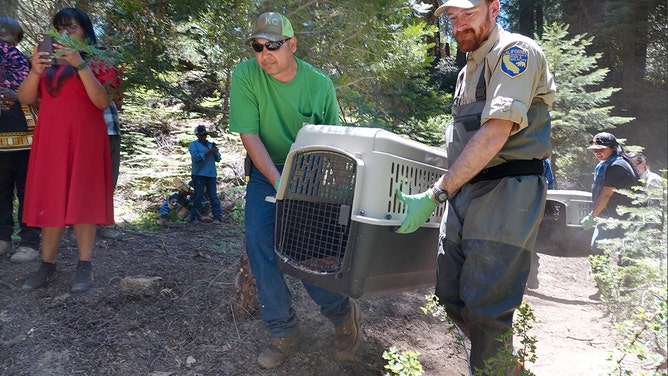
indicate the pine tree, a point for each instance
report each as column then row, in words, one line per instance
column 581, row 108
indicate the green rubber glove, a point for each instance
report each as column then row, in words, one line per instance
column 277, row 183
column 420, row 207
column 588, row 222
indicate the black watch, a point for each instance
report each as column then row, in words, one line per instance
column 440, row 195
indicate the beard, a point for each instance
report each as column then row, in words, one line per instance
column 470, row 39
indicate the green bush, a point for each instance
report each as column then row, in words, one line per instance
column 632, row 279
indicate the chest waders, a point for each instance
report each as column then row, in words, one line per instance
column 466, row 121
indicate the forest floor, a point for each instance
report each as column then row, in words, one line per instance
column 187, row 325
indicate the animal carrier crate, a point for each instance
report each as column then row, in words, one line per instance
column 337, row 211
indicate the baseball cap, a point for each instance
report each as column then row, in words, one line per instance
column 273, row 27
column 464, row 4
column 200, row 129
column 603, row 140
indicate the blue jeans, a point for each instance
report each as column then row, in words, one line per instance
column 208, row 182
column 601, row 232
column 275, row 296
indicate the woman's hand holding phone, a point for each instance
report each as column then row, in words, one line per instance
column 46, row 45
column 41, row 58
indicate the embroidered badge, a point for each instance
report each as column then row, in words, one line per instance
column 514, row 61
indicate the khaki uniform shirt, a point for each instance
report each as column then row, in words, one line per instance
column 517, row 77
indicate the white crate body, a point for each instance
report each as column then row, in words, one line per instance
column 578, row 203
column 385, row 162
column 337, row 211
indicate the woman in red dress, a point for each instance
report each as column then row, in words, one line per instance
column 69, row 173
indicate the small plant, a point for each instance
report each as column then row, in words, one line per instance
column 437, row 311
column 507, row 356
column 403, row 363
column 146, row 222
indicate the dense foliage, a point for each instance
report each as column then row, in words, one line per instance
column 389, row 59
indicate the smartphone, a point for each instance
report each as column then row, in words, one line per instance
column 46, row 45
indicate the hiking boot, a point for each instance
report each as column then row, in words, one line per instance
column 275, row 353
column 83, row 277
column 348, row 336
column 5, row 246
column 110, row 232
column 45, row 274
column 24, row 254
column 517, row 369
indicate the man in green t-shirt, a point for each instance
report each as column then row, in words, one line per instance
column 272, row 96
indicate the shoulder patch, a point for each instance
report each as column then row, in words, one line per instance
column 514, row 61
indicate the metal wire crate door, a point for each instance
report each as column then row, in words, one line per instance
column 314, row 217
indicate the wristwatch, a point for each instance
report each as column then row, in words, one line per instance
column 440, row 195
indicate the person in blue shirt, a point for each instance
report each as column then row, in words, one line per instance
column 549, row 175
column 204, row 156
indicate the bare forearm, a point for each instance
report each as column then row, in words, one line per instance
column 602, row 201
column 260, row 156
column 28, row 91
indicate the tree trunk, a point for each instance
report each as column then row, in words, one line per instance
column 244, row 301
column 527, row 18
column 540, row 17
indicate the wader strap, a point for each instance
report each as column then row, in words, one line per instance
column 481, row 87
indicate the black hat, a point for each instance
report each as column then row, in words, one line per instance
column 200, row 130
column 603, row 140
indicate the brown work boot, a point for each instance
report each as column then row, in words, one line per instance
column 275, row 353
column 517, row 369
column 348, row 336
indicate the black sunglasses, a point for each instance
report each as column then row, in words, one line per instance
column 271, row 46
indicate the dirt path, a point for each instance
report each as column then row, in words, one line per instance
column 574, row 333
column 186, row 329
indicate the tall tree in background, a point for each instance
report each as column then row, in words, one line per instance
column 375, row 52
column 377, row 55
column 629, row 34
column 529, row 17
column 182, row 52
column 580, row 106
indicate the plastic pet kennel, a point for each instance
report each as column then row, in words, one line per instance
column 337, row 211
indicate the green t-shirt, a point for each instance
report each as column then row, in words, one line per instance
column 259, row 104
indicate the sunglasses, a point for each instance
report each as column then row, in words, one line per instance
column 271, row 46
column 599, row 142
